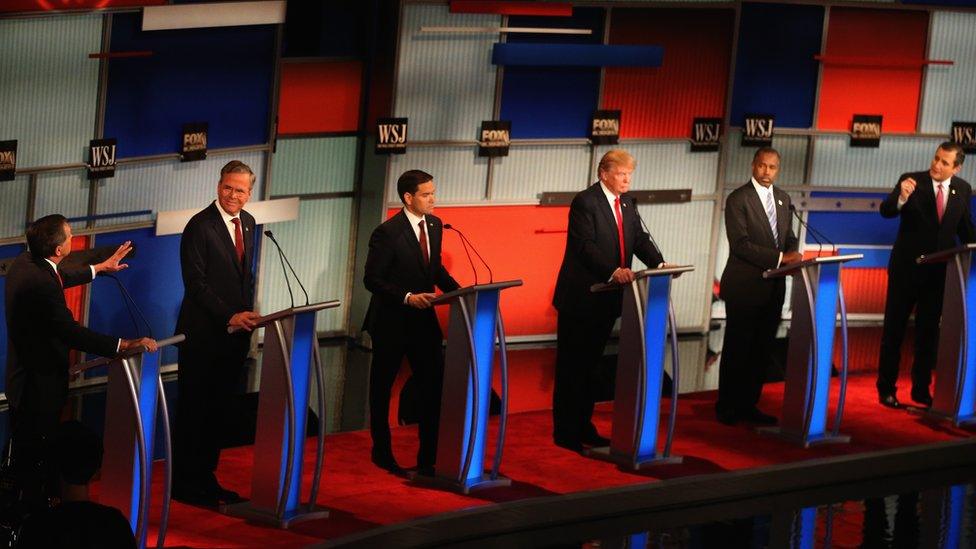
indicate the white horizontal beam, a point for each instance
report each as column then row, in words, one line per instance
column 222, row 14
column 264, row 212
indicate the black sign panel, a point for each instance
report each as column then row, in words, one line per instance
column 866, row 130
column 495, row 138
column 391, row 136
column 8, row 160
column 605, row 128
column 758, row 130
column 194, row 144
column 705, row 134
column 964, row 133
column 101, row 158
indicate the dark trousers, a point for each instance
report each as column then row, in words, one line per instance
column 209, row 376
column 580, row 340
column 920, row 288
column 750, row 330
column 31, row 451
column 420, row 341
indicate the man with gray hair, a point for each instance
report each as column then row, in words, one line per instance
column 216, row 256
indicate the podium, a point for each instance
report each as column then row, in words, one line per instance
column 955, row 379
column 646, row 316
column 135, row 393
column 290, row 360
column 475, row 321
column 817, row 295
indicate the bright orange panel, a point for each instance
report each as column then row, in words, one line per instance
column 74, row 297
column 319, row 97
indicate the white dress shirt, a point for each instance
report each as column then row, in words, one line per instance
column 763, row 192
column 231, row 230
column 415, row 224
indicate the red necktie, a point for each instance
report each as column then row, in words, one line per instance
column 238, row 239
column 60, row 280
column 423, row 243
column 620, row 231
column 939, row 206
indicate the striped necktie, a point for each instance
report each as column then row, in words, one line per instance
column 771, row 214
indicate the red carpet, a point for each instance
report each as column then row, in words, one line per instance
column 361, row 496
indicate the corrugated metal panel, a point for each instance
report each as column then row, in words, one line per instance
column 683, row 232
column 168, row 185
column 459, row 173
column 836, row 163
column 334, row 368
column 446, row 82
column 948, row 93
column 528, row 171
column 669, row 166
column 13, row 204
column 48, row 86
column 304, row 166
column 792, row 149
column 326, row 223
column 65, row 193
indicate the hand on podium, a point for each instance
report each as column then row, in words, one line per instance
column 792, row 257
column 244, row 320
column 623, row 275
column 669, row 266
column 147, row 342
column 420, row 301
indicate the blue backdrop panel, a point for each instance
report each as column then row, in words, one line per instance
column 153, row 279
column 222, row 76
column 12, row 250
column 576, row 55
column 775, row 71
column 852, row 227
column 552, row 102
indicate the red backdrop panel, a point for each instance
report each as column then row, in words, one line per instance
column 846, row 89
column 74, row 297
column 692, row 80
column 319, row 97
column 51, row 5
column 506, row 237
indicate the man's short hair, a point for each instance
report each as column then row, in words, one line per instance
column 236, row 166
column 952, row 146
column 616, row 157
column 410, row 180
column 765, row 150
column 46, row 234
column 79, row 452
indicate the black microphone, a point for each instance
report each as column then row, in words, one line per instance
column 650, row 237
column 491, row 277
column 813, row 232
column 464, row 245
column 127, row 299
column 282, row 258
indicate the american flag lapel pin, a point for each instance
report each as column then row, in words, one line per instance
column 780, row 202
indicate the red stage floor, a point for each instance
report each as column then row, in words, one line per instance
column 361, row 496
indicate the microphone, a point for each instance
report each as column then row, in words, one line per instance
column 284, row 259
column 466, row 252
column 649, row 236
column 491, row 277
column 813, row 232
column 127, row 299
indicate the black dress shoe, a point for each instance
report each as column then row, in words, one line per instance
column 426, row 471
column 889, row 401
column 228, row 497
column 571, row 445
column 726, row 417
column 196, row 496
column 758, row 417
column 596, row 441
column 387, row 462
column 925, row 399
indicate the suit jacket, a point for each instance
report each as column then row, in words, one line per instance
column 216, row 286
column 41, row 332
column 752, row 248
column 919, row 231
column 395, row 266
column 593, row 252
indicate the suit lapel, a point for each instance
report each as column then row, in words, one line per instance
column 223, row 235
column 413, row 243
column 952, row 203
column 782, row 220
column 758, row 210
column 609, row 216
column 248, row 243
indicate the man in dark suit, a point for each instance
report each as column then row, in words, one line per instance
column 757, row 223
column 605, row 233
column 41, row 332
column 216, row 254
column 934, row 211
column 402, row 268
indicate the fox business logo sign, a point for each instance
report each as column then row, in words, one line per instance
column 605, row 128
column 101, row 158
column 866, row 130
column 964, row 134
column 391, row 136
column 495, row 138
column 758, row 130
column 705, row 134
column 194, row 142
column 8, row 160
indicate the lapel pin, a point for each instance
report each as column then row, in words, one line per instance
column 953, row 191
column 780, row 202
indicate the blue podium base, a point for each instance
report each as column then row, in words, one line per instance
column 452, row 485
column 249, row 512
column 627, row 461
column 806, row 442
column 964, row 421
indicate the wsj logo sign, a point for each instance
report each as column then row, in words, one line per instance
column 758, row 130
column 194, row 146
column 101, row 158
column 605, row 128
column 705, row 134
column 495, row 138
column 8, row 160
column 866, row 130
column 391, row 136
column 964, row 133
